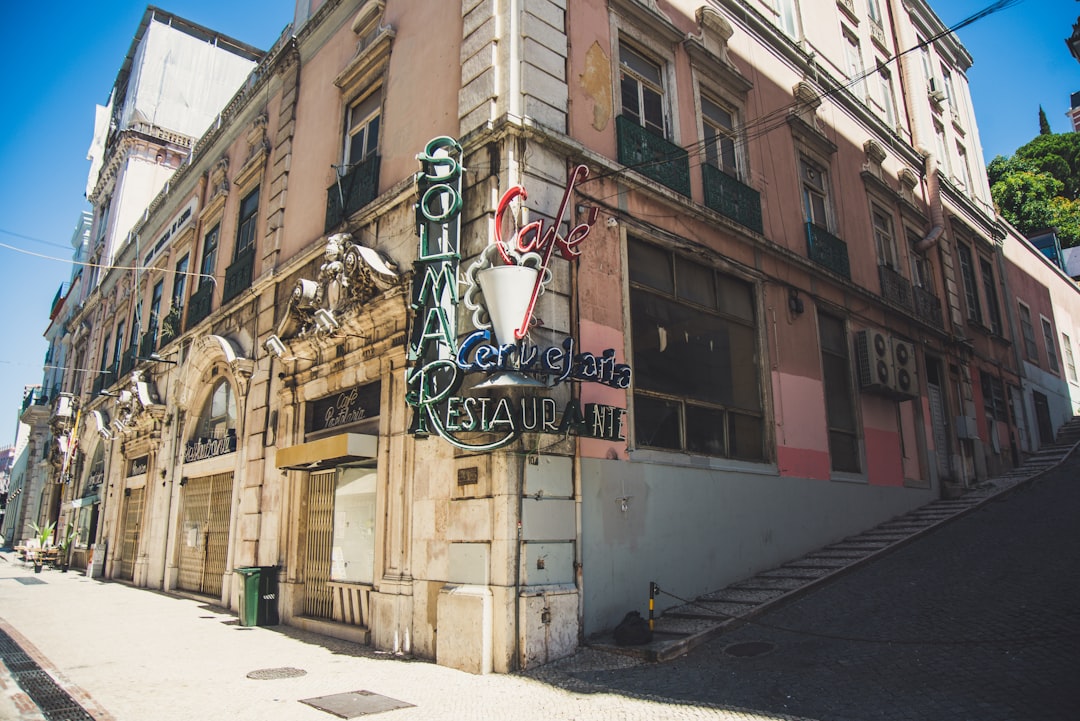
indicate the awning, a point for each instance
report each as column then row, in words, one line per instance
column 328, row 452
column 85, row 501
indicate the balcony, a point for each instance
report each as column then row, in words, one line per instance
column 928, row 307
column 729, row 197
column 199, row 307
column 827, row 250
column 238, row 275
column 653, row 156
column 148, row 344
column 894, row 287
column 127, row 360
column 352, row 191
column 104, row 381
column 170, row 325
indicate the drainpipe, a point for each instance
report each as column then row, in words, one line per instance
column 937, row 215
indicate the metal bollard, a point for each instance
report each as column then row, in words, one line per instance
column 653, row 590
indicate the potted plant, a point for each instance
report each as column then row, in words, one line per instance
column 70, row 532
column 43, row 535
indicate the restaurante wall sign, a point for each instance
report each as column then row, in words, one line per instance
column 502, row 287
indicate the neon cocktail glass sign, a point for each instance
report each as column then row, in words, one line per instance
column 502, row 289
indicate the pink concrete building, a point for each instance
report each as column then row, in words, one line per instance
column 468, row 321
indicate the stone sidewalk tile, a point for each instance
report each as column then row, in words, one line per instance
column 136, row 654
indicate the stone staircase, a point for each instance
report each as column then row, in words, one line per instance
column 683, row 627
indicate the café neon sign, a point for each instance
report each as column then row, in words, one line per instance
column 502, row 289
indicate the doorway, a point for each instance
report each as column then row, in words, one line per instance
column 129, row 545
column 1042, row 419
column 205, row 513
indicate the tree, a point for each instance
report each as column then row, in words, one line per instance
column 1038, row 187
column 1044, row 124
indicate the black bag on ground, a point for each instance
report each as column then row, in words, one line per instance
column 633, row 630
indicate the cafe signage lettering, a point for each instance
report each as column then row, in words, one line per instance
column 344, row 408
column 202, row 448
column 501, row 289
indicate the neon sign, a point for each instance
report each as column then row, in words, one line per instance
column 502, row 288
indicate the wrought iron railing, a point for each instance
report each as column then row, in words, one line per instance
column 127, row 360
column 928, row 307
column 352, row 191
column 199, row 305
column 104, row 381
column 238, row 275
column 653, row 156
column 894, row 287
column 827, row 250
column 730, row 197
column 148, row 344
column 170, row 325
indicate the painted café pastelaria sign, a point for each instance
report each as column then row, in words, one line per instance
column 501, row 289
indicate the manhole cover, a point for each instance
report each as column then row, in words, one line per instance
column 355, row 704
column 269, row 674
column 749, row 649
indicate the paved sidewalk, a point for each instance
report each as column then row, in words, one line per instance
column 132, row 655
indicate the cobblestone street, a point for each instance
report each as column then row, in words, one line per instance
column 978, row 620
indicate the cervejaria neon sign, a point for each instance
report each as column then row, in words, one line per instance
column 503, row 286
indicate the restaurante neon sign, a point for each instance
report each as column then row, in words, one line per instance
column 503, row 286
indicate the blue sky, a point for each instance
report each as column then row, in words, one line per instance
column 62, row 58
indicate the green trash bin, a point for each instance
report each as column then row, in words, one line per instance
column 258, row 595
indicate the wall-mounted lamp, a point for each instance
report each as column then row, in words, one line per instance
column 276, row 346
column 795, row 303
column 183, row 480
column 155, row 358
column 326, row 321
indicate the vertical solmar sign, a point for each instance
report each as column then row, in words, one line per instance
column 502, row 287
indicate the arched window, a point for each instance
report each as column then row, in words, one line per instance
column 97, row 471
column 218, row 417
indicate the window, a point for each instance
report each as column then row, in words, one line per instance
column 921, row 275
column 971, row 291
column 875, row 11
column 1051, row 348
column 361, row 130
column 718, row 125
column 839, row 398
column 883, row 236
column 886, row 96
column 105, row 353
column 1070, row 361
column 947, row 86
column 245, row 232
column 815, row 194
column 209, row 255
column 155, row 312
column 965, row 169
column 353, row 559
column 218, row 418
column 993, row 391
column 118, row 348
column 103, row 219
column 1027, row 330
column 943, row 154
column 180, row 282
column 990, row 291
column 924, row 58
column 854, row 66
column 697, row 385
column 642, row 90
column 785, row 10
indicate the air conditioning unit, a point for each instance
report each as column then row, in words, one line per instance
column 906, row 379
column 873, row 356
column 936, row 93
